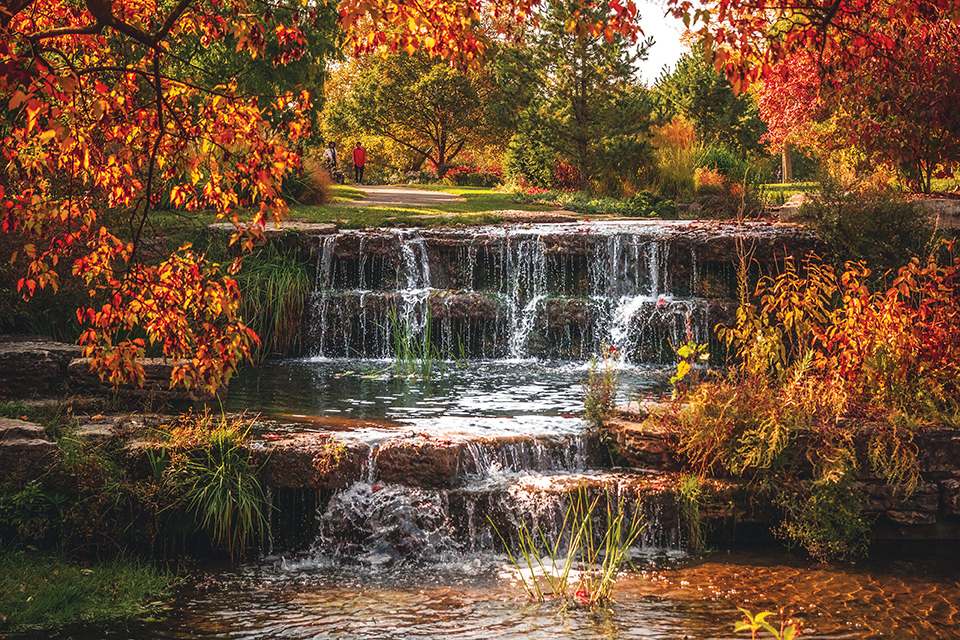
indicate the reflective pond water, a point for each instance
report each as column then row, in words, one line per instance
column 479, row 397
column 902, row 593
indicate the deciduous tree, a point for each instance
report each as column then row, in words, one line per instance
column 107, row 114
column 422, row 104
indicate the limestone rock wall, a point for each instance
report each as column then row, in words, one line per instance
column 932, row 510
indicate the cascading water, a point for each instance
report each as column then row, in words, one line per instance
column 543, row 292
column 496, row 435
column 419, row 478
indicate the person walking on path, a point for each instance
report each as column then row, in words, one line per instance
column 359, row 160
column 330, row 155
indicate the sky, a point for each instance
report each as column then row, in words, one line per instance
column 666, row 33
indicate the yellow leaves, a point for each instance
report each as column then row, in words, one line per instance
column 33, row 112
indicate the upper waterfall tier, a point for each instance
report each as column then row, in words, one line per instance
column 554, row 291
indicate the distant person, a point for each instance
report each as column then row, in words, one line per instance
column 779, row 174
column 330, row 155
column 359, row 160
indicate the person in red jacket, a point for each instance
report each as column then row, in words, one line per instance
column 359, row 159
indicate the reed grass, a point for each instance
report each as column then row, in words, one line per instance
column 415, row 354
column 581, row 565
column 275, row 285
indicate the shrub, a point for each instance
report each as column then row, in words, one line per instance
column 565, row 176
column 814, row 347
column 528, row 160
column 677, row 157
column 722, row 197
column 728, row 164
column 473, row 177
column 875, row 226
column 311, row 186
column 641, row 205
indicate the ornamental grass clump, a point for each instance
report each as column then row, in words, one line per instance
column 206, row 462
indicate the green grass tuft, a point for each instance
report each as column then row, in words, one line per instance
column 39, row 591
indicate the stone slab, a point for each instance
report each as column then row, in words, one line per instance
column 950, row 496
column 156, row 381
column 272, row 230
column 32, row 366
column 644, row 444
column 885, row 497
column 25, row 452
column 419, row 463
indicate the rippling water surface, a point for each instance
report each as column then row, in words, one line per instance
column 902, row 593
column 480, row 397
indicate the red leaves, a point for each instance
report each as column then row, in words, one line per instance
column 453, row 29
column 85, row 140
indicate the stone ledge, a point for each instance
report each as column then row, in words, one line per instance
column 419, row 463
column 950, row 496
column 156, row 381
column 272, row 231
column 33, row 365
column 644, row 445
column 25, row 452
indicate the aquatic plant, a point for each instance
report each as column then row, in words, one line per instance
column 580, row 566
column 601, row 386
column 415, row 355
column 754, row 623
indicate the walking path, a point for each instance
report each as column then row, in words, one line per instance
column 381, row 196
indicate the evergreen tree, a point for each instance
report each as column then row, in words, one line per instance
column 589, row 106
column 697, row 91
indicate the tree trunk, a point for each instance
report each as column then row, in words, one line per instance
column 787, row 163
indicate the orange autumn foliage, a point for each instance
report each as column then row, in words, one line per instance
column 104, row 120
column 898, row 349
column 101, row 128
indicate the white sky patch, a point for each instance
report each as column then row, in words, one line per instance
column 666, row 32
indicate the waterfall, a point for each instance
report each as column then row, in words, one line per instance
column 519, row 293
column 507, row 446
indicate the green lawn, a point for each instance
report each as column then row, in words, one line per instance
column 479, row 207
column 779, row 192
column 346, row 193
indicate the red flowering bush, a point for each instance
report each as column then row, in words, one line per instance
column 566, row 176
column 473, row 177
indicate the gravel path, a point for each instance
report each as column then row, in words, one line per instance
column 378, row 196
